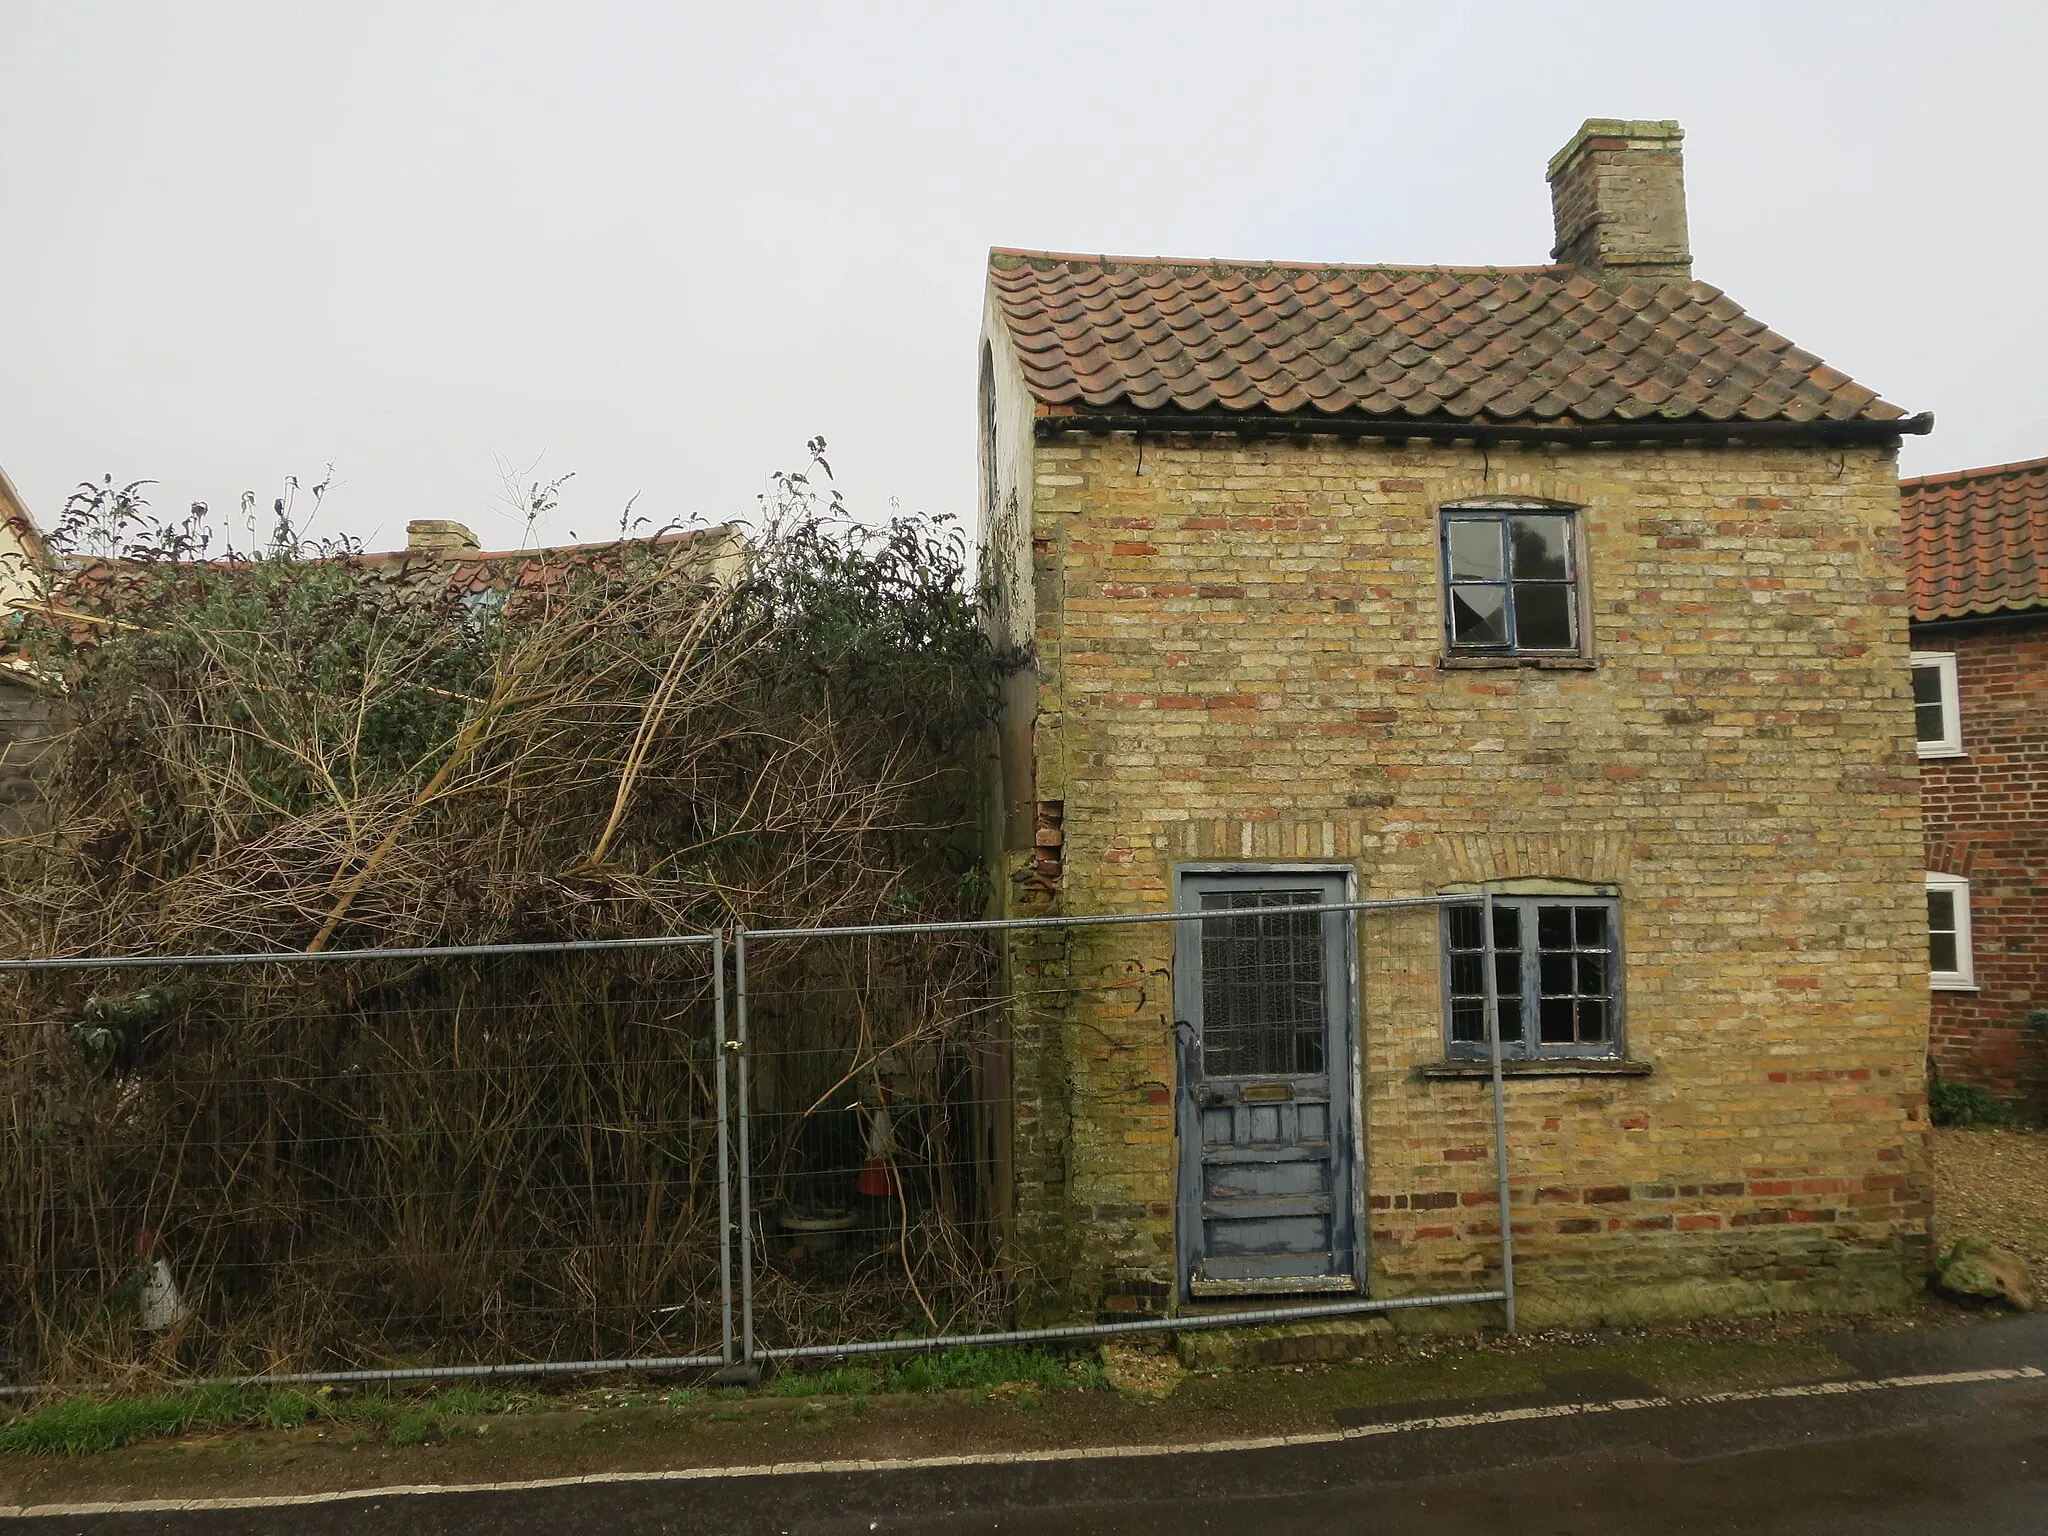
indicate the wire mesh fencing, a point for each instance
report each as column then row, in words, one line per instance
column 873, row 1094
column 363, row 1163
column 711, row 1149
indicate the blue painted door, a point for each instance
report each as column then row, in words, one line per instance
column 1263, row 1017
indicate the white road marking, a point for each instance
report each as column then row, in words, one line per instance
column 1029, row 1458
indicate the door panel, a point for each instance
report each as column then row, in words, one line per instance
column 1263, row 1008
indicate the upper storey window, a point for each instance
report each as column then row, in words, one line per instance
column 1937, row 720
column 1511, row 581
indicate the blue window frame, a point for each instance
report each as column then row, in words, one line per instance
column 1557, row 977
column 1511, row 581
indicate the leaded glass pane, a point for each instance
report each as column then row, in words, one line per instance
column 1263, row 995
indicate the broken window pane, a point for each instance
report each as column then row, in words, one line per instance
column 1479, row 616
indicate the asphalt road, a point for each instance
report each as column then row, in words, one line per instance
column 1958, row 1460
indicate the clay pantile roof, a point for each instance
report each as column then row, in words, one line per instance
column 1977, row 540
column 1531, row 345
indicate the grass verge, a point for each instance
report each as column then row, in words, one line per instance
column 977, row 1370
column 78, row 1425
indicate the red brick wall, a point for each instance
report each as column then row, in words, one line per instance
column 1986, row 815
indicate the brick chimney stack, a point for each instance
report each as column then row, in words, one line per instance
column 1617, row 193
column 436, row 535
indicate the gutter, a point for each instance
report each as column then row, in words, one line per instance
column 1399, row 430
column 2034, row 615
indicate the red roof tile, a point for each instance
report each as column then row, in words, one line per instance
column 1977, row 540
column 1531, row 344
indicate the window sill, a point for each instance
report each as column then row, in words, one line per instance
column 1454, row 662
column 1935, row 752
column 1951, row 986
column 1555, row 1066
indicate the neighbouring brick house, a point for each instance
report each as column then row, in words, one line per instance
column 1977, row 555
column 1373, row 582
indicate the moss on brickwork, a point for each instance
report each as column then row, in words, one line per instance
column 1238, row 659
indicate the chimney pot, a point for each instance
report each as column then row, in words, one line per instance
column 1617, row 193
column 437, row 535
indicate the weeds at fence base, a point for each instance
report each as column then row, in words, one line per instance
column 82, row 1425
column 976, row 1370
column 79, row 1425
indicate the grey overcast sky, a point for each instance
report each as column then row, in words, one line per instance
column 661, row 244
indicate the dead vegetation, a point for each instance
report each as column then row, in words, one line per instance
column 313, row 749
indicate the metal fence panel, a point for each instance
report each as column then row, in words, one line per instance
column 545, row 1159
column 865, row 1119
column 371, row 1163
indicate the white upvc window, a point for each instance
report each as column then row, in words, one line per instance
column 1948, row 934
column 1937, row 714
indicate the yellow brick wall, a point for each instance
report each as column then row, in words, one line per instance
column 1238, row 652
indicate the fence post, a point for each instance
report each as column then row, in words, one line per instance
column 723, row 1047
column 739, row 974
column 1500, row 1119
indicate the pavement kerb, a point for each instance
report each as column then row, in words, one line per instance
column 1454, row 1421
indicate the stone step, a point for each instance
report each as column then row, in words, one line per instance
column 1315, row 1339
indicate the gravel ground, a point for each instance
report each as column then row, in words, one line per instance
column 1994, row 1184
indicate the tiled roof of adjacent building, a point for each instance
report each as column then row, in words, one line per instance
column 1535, row 345
column 1977, row 540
